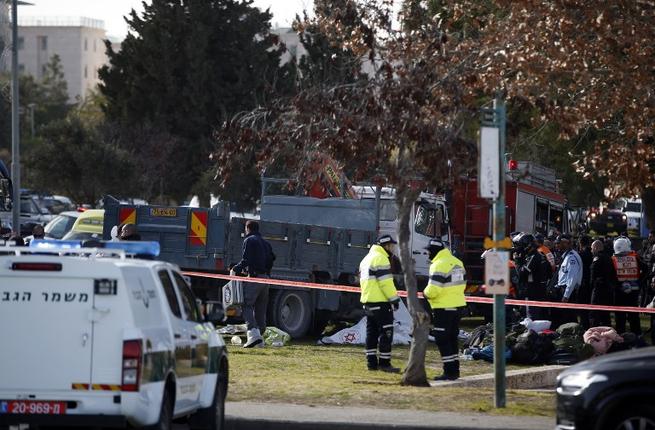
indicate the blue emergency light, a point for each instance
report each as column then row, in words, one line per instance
column 138, row 248
column 55, row 244
column 149, row 249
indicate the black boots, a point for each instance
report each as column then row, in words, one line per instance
column 446, row 377
column 389, row 368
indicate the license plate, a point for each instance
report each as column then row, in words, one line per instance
column 32, row 407
column 610, row 224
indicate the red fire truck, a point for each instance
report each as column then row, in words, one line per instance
column 533, row 203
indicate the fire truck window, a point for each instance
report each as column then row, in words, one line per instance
column 541, row 217
column 388, row 210
column 426, row 221
column 556, row 218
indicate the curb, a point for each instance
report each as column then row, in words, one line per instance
column 522, row 379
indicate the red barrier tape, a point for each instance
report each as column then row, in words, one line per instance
column 469, row 299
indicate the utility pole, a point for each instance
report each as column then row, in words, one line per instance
column 491, row 182
column 15, row 129
column 499, row 235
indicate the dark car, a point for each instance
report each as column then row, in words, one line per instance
column 612, row 392
column 611, row 222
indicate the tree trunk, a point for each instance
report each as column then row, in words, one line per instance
column 415, row 371
column 648, row 202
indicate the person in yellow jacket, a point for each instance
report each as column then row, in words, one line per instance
column 445, row 294
column 380, row 298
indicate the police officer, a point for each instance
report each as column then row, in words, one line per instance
column 380, row 298
column 533, row 270
column 627, row 268
column 445, row 293
column 569, row 279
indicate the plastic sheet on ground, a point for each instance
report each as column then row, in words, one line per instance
column 356, row 335
column 232, row 329
column 273, row 336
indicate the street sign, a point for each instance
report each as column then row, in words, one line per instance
column 489, row 163
column 496, row 272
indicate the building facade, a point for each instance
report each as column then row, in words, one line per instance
column 78, row 41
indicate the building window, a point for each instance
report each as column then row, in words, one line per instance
column 85, row 72
column 42, row 42
column 21, row 43
column 86, row 44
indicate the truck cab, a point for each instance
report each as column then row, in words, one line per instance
column 428, row 219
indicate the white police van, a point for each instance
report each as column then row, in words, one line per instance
column 91, row 337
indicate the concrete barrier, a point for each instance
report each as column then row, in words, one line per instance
column 525, row 379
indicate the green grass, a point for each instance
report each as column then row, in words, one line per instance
column 310, row 374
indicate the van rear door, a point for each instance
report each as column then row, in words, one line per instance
column 46, row 337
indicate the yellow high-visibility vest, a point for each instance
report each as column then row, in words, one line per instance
column 375, row 277
column 447, row 282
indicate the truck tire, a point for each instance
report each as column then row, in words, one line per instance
column 213, row 417
column 292, row 312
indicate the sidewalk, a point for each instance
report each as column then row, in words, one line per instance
column 273, row 416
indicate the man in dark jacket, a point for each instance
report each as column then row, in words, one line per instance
column 256, row 261
column 531, row 266
column 600, row 276
column 584, row 291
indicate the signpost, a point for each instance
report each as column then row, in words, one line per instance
column 496, row 272
column 491, row 180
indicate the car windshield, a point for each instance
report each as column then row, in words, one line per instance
column 59, row 226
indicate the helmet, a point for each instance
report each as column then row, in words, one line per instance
column 385, row 239
column 523, row 241
column 622, row 245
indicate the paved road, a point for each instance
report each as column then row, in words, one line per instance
column 248, row 415
column 274, row 416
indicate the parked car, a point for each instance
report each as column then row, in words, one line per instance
column 56, row 204
column 61, row 224
column 98, row 339
column 609, row 222
column 612, row 392
column 32, row 214
column 87, row 226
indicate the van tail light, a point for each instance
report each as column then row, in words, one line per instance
column 132, row 362
column 37, row 267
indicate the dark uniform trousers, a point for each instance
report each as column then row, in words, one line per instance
column 446, row 330
column 630, row 299
column 255, row 297
column 379, row 333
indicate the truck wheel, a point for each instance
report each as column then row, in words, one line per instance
column 213, row 417
column 292, row 312
column 166, row 413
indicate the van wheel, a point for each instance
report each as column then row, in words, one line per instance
column 165, row 414
column 292, row 312
column 213, row 417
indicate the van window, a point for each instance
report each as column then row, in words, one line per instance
column 169, row 290
column 188, row 299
